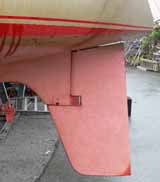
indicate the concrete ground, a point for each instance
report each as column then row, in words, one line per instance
column 144, row 88
column 27, row 149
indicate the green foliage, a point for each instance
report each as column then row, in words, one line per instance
column 147, row 41
column 155, row 35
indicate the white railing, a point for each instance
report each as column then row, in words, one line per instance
column 29, row 104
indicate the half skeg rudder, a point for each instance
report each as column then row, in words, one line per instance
column 95, row 134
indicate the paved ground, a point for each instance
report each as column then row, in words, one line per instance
column 144, row 88
column 27, row 149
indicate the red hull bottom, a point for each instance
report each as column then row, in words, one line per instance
column 86, row 95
